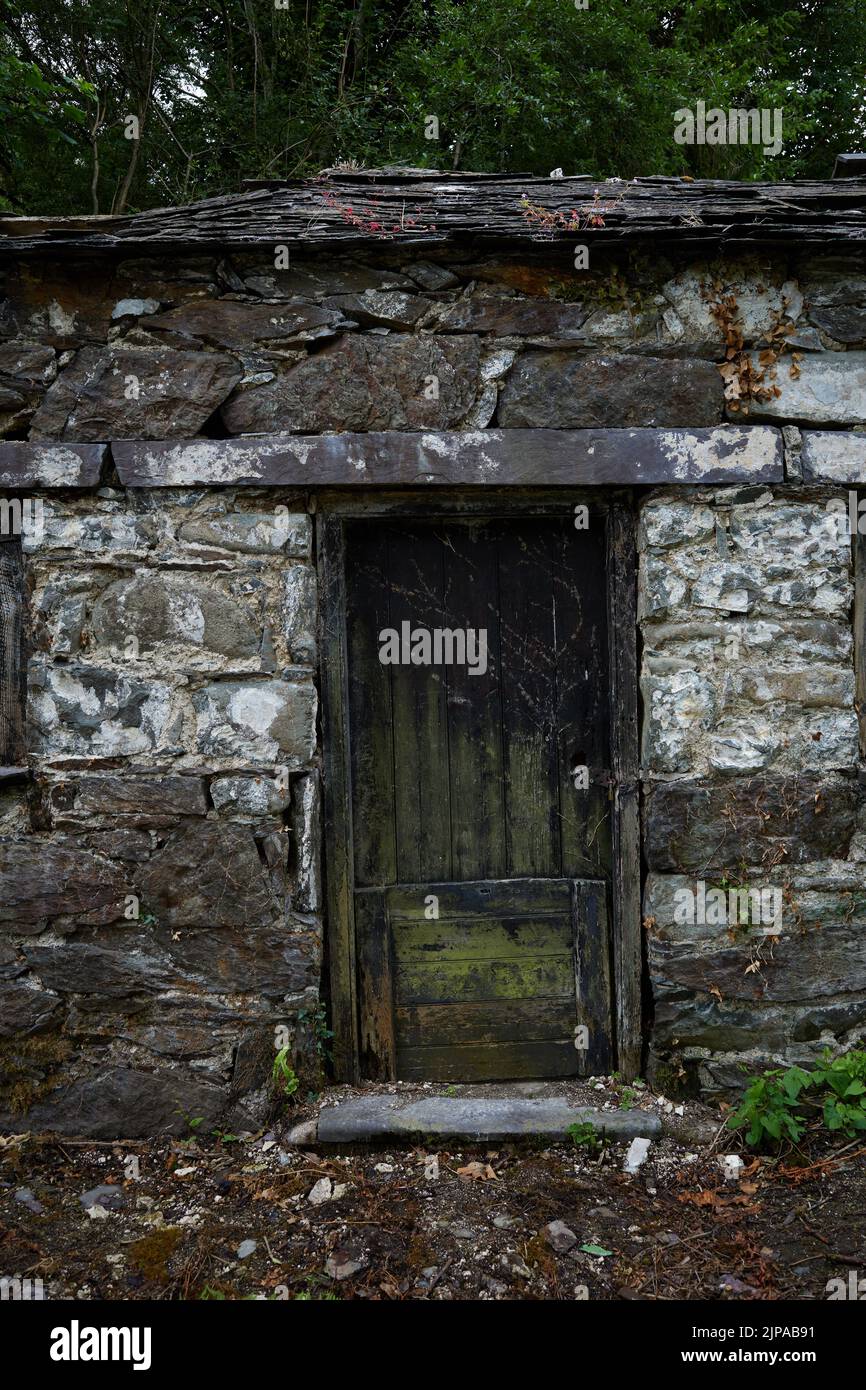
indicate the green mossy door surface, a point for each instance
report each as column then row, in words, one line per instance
column 481, row 857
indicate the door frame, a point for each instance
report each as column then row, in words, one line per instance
column 334, row 510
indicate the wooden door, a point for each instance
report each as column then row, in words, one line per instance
column 480, row 859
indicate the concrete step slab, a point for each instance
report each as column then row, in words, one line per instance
column 368, row 1119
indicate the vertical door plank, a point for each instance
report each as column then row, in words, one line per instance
column 370, row 711
column 528, row 685
column 583, row 719
column 592, row 975
column 627, row 935
column 337, row 803
column 474, row 710
column 375, row 987
column 421, row 782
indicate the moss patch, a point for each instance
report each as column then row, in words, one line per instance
column 151, row 1254
column 30, row 1067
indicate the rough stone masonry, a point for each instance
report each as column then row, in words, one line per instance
column 160, row 876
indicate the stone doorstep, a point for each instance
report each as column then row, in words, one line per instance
column 373, row 1118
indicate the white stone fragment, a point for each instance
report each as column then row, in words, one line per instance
column 638, row 1151
column 732, row 1166
column 321, row 1192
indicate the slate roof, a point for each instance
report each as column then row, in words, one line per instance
column 342, row 208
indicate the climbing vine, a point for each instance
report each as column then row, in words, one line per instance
column 747, row 380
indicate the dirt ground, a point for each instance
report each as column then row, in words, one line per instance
column 214, row 1216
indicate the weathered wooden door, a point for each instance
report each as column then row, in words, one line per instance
column 480, row 795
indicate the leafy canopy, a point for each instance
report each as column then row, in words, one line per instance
column 280, row 88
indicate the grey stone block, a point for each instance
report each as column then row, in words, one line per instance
column 50, row 465
column 384, row 1117
column 834, row 456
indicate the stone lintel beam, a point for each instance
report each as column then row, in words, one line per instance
column 473, row 458
column 45, row 464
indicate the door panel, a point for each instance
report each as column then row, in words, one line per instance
column 507, row 969
column 462, row 790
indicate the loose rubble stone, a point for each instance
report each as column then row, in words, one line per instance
column 263, row 722
column 638, row 1152
column 341, row 1265
column 732, row 1166
column 173, row 617
column 25, row 1196
column 207, row 872
column 829, row 389
column 512, row 317
column 252, row 533
column 110, row 1197
column 568, row 391
column 229, row 324
column 559, row 1237
column 141, row 394
column 366, row 383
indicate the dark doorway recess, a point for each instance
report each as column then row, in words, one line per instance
column 481, row 821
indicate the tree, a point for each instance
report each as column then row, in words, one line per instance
column 225, row 89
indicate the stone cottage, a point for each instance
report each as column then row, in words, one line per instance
column 431, row 615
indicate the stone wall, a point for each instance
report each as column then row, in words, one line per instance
column 750, row 750
column 160, row 901
column 159, row 893
column 151, row 350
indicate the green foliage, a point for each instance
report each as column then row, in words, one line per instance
column 584, row 1136
column 192, row 1121
column 285, row 1078
column 769, row 1107
column 775, row 1106
column 317, row 1021
column 210, row 1294
column 246, row 89
column 843, row 1081
column 315, row 1292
